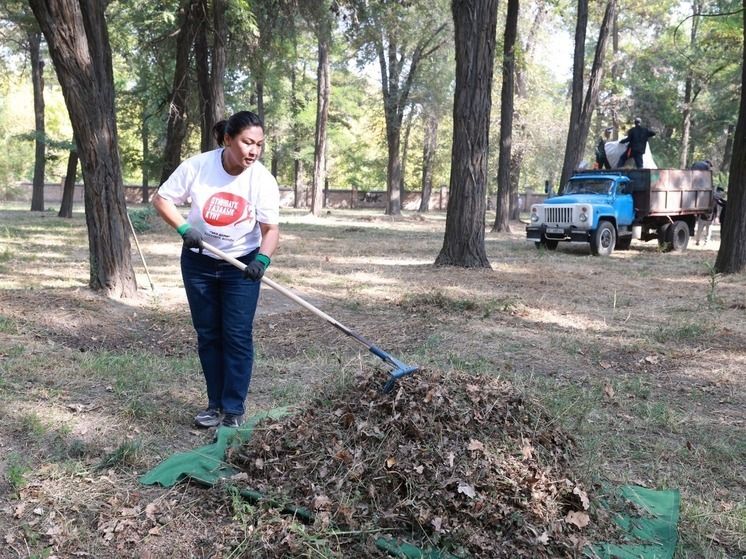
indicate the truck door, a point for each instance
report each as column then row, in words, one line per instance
column 623, row 203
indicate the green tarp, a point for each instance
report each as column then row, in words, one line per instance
column 651, row 533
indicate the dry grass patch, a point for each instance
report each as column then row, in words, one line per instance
column 639, row 357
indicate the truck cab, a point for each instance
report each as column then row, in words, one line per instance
column 594, row 208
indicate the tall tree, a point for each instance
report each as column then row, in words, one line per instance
column 731, row 258
column 77, row 36
column 68, row 185
column 582, row 108
column 502, row 216
column 210, row 48
column 401, row 35
column 177, row 119
column 321, row 17
column 475, row 23
column 689, row 91
column 40, row 158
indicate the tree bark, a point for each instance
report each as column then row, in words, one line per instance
column 68, row 188
column 728, row 149
column 209, row 46
column 731, row 258
column 323, row 93
column 430, row 143
column 395, row 89
column 78, row 40
column 216, row 106
column 686, row 113
column 40, row 157
column 404, row 152
column 502, row 214
column 176, row 129
column 475, row 34
column 582, row 108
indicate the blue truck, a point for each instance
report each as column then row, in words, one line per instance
column 608, row 209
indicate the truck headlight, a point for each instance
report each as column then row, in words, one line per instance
column 534, row 217
column 583, row 217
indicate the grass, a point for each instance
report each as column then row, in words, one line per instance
column 640, row 356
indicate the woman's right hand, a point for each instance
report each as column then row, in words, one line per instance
column 192, row 239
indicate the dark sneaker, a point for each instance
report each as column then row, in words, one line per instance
column 208, row 418
column 231, row 420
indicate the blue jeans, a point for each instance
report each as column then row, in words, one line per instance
column 223, row 305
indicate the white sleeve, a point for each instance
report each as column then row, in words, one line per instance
column 268, row 203
column 177, row 187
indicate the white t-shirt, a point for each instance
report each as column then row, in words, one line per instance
column 226, row 209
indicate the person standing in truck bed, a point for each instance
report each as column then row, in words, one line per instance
column 637, row 138
column 601, row 159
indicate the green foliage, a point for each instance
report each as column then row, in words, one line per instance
column 141, row 218
column 126, row 454
column 278, row 50
column 713, row 299
column 16, row 470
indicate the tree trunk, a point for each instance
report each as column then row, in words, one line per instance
column 68, row 189
column 176, row 130
column 475, row 24
column 429, row 145
column 405, row 149
column 393, row 113
column 731, row 258
column 727, row 150
column 396, row 88
column 502, row 215
column 78, row 42
column 40, row 158
column 210, row 54
column 516, row 159
column 582, row 108
column 686, row 113
column 323, row 92
column 215, row 108
column 295, row 107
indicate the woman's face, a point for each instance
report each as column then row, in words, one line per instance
column 243, row 150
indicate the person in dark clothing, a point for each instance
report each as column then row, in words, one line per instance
column 601, row 159
column 705, row 165
column 722, row 203
column 637, row 138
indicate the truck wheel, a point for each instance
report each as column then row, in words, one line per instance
column 623, row 243
column 678, row 235
column 663, row 240
column 603, row 239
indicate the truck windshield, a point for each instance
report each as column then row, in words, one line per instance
column 589, row 186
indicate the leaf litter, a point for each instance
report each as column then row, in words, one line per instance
column 447, row 460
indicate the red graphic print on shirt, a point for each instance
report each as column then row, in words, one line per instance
column 226, row 209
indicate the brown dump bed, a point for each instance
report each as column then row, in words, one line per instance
column 671, row 191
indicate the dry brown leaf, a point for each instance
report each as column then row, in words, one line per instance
column 609, row 391
column 579, row 519
column 475, row 445
column 583, row 497
column 527, row 451
column 467, row 489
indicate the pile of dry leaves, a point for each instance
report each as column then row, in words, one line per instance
column 448, row 461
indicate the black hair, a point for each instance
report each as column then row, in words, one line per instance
column 235, row 125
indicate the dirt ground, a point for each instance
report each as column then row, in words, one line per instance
column 640, row 357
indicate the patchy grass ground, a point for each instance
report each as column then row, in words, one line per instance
column 640, row 358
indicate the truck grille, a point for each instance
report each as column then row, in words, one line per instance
column 557, row 215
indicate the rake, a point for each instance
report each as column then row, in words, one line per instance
column 399, row 368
